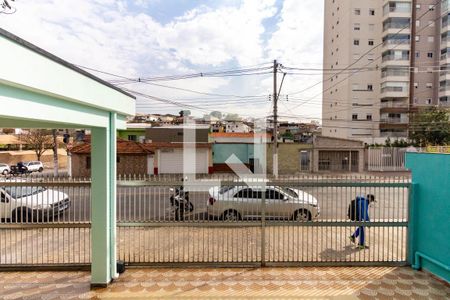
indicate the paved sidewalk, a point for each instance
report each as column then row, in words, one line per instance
column 267, row 283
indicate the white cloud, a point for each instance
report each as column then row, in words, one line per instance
column 298, row 42
column 110, row 36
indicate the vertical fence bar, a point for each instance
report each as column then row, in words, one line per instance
column 263, row 227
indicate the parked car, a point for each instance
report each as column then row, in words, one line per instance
column 34, row 166
column 232, row 203
column 31, row 203
column 4, row 169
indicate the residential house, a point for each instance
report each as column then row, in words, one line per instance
column 237, row 126
column 238, row 144
column 168, row 143
column 134, row 132
column 321, row 154
column 132, row 158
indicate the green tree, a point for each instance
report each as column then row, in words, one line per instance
column 184, row 113
column 232, row 117
column 216, row 114
column 430, row 127
column 288, row 135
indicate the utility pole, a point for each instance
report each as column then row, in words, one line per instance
column 412, row 63
column 275, row 121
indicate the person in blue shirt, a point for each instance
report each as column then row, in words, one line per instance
column 362, row 215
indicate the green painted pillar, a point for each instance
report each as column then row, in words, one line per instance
column 100, row 207
column 113, row 189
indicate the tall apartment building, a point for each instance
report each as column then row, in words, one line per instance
column 397, row 53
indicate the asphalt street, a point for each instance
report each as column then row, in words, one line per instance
column 144, row 204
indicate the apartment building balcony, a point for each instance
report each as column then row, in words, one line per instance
column 396, row 29
column 394, row 120
column 444, row 6
column 444, row 75
column 395, row 74
column 397, row 14
column 444, row 102
column 399, row 44
column 402, row 134
column 394, row 60
column 394, row 92
column 445, row 42
column 393, row 9
column 444, row 91
column 445, row 57
column 394, row 107
column 445, row 26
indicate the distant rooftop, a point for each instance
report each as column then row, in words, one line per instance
column 138, row 125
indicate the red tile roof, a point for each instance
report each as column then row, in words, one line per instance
column 123, row 147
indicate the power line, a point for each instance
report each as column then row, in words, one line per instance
column 176, row 88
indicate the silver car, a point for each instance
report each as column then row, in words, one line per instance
column 232, row 203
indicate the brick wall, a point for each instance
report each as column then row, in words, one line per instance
column 288, row 157
column 128, row 164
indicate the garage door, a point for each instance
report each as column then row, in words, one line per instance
column 171, row 161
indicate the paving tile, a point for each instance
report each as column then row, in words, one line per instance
column 269, row 283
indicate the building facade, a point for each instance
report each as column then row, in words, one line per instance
column 383, row 60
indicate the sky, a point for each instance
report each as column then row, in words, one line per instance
column 158, row 38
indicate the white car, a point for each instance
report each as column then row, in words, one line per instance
column 231, row 203
column 4, row 169
column 34, row 166
column 31, row 203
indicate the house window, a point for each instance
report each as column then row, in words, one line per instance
column 430, row 54
column 355, row 117
column 431, row 7
column 371, row 43
column 370, row 87
column 88, row 162
column 417, row 54
column 356, row 26
column 429, row 101
column 371, row 12
column 132, row 137
column 356, row 42
column 369, row 117
column 417, row 23
column 429, row 85
column 417, row 38
column 357, row 11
